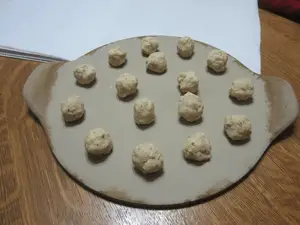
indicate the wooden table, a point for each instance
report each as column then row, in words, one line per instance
column 35, row 190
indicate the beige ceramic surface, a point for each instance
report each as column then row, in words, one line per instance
column 274, row 107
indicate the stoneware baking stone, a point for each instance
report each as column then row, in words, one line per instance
column 273, row 108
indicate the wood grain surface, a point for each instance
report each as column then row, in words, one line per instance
column 35, row 190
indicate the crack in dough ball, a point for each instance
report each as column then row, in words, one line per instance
column 197, row 147
column 217, row 60
column 85, row 74
column 147, row 158
column 157, row 62
column 242, row 89
column 126, row 85
column 190, row 107
column 98, row 142
column 144, row 111
column 116, row 57
column 185, row 47
column 72, row 109
column 149, row 45
column 237, row 127
column 188, row 82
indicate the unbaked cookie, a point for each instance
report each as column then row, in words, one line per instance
column 188, row 82
column 185, row 47
column 190, row 107
column 157, row 62
column 98, row 142
column 72, row 109
column 217, row 60
column 197, row 147
column 144, row 111
column 149, row 45
column 242, row 89
column 116, row 56
column 237, row 127
column 85, row 74
column 126, row 84
column 147, row 158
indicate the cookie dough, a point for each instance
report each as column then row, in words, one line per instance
column 144, row 111
column 98, row 142
column 217, row 60
column 149, row 45
column 126, row 85
column 85, row 74
column 72, row 109
column 147, row 158
column 116, row 57
column 157, row 62
column 197, row 147
column 242, row 89
column 237, row 127
column 188, row 82
column 185, row 47
column 190, row 107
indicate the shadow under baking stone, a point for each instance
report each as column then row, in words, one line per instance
column 148, row 177
column 211, row 71
column 95, row 159
column 128, row 98
column 87, row 86
column 245, row 102
column 187, row 123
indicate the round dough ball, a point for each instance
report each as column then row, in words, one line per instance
column 197, row 147
column 72, row 109
column 185, row 47
column 149, row 45
column 116, row 57
column 217, row 60
column 190, row 107
column 157, row 62
column 237, row 127
column 147, row 158
column 126, row 84
column 188, row 82
column 242, row 89
column 144, row 111
column 98, row 142
column 85, row 74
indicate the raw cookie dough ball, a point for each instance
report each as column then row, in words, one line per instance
column 237, row 127
column 149, row 45
column 116, row 57
column 147, row 158
column 185, row 47
column 144, row 111
column 98, row 142
column 85, row 74
column 188, row 82
column 197, row 147
column 157, row 62
column 126, row 85
column 190, row 107
column 241, row 89
column 72, row 109
column 217, row 60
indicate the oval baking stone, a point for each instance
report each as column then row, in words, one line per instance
column 273, row 108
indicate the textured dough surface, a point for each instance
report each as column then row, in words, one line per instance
column 157, row 62
column 72, row 109
column 98, row 142
column 197, row 147
column 242, row 89
column 185, row 47
column 188, row 82
column 116, row 56
column 147, row 158
column 85, row 74
column 149, row 45
column 144, row 111
column 126, row 84
column 217, row 60
column 190, row 107
column 238, row 127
